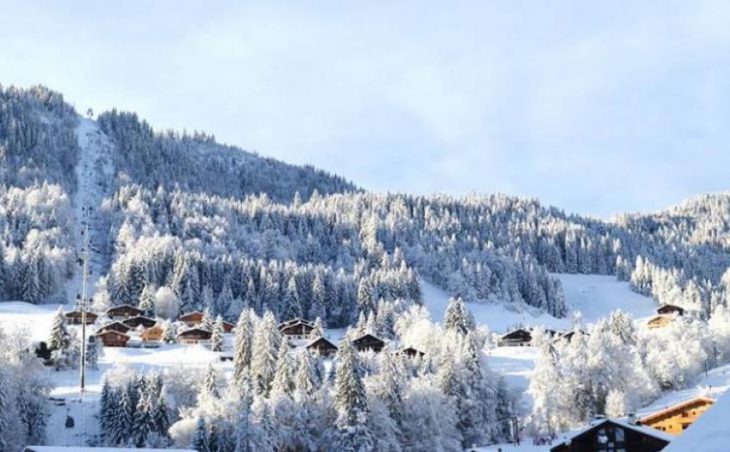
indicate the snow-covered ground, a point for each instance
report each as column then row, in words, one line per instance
column 95, row 174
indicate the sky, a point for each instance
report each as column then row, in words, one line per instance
column 595, row 107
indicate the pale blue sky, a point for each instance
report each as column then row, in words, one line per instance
column 596, row 107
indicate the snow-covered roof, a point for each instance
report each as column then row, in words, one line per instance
column 622, row 423
column 709, row 433
column 677, row 406
column 96, row 449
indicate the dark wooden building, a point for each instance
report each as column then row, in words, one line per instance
column 192, row 319
column 119, row 327
column 410, row 352
column 670, row 309
column 517, row 338
column 193, row 336
column 122, row 312
column 569, row 335
column 42, row 351
column 134, row 322
column 228, row 327
column 368, row 342
column 74, row 317
column 611, row 435
column 322, row 346
column 296, row 329
column 111, row 338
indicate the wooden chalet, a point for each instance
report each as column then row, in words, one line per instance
column 670, row 309
column 516, row 338
column 410, row 352
column 153, row 334
column 296, row 329
column 119, row 327
column 659, row 321
column 192, row 319
column 322, row 346
column 111, row 338
column 676, row 418
column 134, row 322
column 228, row 327
column 368, row 342
column 193, row 336
column 295, row 320
column 122, row 312
column 610, row 435
column 74, row 317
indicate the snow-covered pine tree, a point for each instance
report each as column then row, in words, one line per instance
column 59, row 338
column 242, row 346
column 266, row 343
column 216, row 339
column 93, row 350
column 207, row 322
column 351, row 402
column 318, row 330
column 147, row 301
column 143, row 423
column 291, row 305
column 200, row 437
column 457, row 318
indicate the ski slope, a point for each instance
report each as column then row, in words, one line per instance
column 95, row 176
column 594, row 296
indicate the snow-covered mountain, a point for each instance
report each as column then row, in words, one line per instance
column 177, row 222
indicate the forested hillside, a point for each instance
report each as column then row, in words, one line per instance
column 221, row 228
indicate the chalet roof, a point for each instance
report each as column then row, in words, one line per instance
column 516, row 333
column 194, row 330
column 671, row 307
column 76, row 313
column 648, row 431
column 139, row 318
column 188, row 315
column 116, row 324
column 303, row 325
column 128, row 307
column 675, row 407
column 296, row 321
column 112, row 332
column 658, row 317
column 367, row 336
column 321, row 339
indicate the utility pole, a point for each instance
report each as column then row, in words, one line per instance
column 82, row 306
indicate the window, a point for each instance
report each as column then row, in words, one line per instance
column 610, row 439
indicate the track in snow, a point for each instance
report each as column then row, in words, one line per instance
column 95, row 175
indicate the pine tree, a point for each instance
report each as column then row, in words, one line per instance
column 318, row 308
column 291, row 305
column 147, row 301
column 282, row 385
column 305, row 378
column 200, row 437
column 106, row 404
column 161, row 417
column 458, row 319
column 351, row 402
column 60, row 339
column 207, row 322
column 216, row 340
column 93, row 346
column 225, row 298
column 242, row 346
column 265, row 349
column 143, row 423
column 318, row 330
column 210, row 384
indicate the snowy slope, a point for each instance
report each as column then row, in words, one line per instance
column 594, row 296
column 94, row 173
